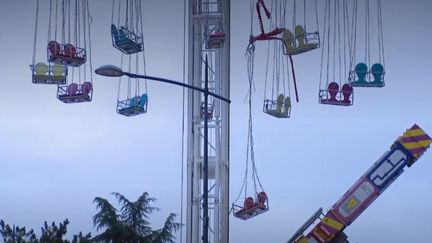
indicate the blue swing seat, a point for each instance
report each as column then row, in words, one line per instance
column 126, row 41
column 134, row 106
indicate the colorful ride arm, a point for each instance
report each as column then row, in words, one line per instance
column 272, row 35
column 405, row 151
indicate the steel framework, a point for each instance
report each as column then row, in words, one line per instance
column 208, row 35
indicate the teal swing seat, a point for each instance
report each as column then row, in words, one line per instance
column 133, row 106
column 126, row 41
column 362, row 77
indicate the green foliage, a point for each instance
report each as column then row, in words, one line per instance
column 130, row 223
column 54, row 233
column 50, row 234
column 16, row 234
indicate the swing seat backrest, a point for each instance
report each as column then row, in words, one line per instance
column 300, row 35
column 279, row 102
column 114, row 32
column 347, row 90
column 123, row 34
column 133, row 102
column 41, row 68
column 287, row 104
column 377, row 71
column 70, row 51
column 86, row 88
column 288, row 40
column 54, row 48
column 143, row 100
column 361, row 71
column 262, row 198
column 58, row 70
column 333, row 89
column 248, row 203
column 72, row 89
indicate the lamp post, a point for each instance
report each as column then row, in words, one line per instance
column 114, row 71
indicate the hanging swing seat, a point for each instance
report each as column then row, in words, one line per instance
column 215, row 40
column 133, row 106
column 362, row 77
column 301, row 42
column 252, row 208
column 47, row 74
column 125, row 40
column 333, row 96
column 66, row 54
column 75, row 93
column 280, row 108
column 210, row 109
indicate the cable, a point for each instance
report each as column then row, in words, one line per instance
column 35, row 33
column 339, row 44
column 143, row 44
column 49, row 20
column 323, row 44
column 183, row 125
column 90, row 22
column 316, row 16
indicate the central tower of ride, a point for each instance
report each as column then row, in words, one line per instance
column 208, row 36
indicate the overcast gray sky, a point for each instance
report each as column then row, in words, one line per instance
column 55, row 158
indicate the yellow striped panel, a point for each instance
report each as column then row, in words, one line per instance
column 418, row 144
column 302, row 240
column 414, row 132
column 332, row 223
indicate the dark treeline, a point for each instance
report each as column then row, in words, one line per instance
column 126, row 224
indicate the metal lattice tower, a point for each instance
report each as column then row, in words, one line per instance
column 207, row 17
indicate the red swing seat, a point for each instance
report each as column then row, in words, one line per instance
column 252, row 208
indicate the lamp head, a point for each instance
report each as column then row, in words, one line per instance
column 109, row 71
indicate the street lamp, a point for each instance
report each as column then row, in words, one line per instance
column 114, row 71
